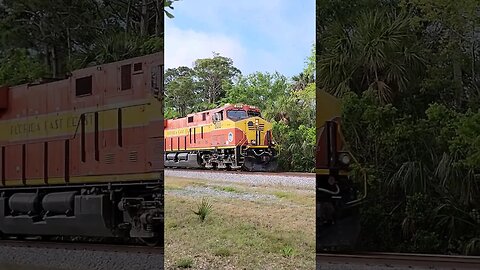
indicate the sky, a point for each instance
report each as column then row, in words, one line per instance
column 261, row 35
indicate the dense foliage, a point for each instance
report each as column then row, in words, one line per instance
column 56, row 37
column 289, row 103
column 408, row 73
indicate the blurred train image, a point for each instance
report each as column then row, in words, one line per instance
column 81, row 156
column 230, row 137
column 337, row 196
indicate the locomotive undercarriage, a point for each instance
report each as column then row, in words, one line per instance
column 123, row 211
column 238, row 158
column 338, row 222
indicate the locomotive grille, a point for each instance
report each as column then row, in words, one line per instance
column 133, row 156
column 109, row 158
column 260, row 127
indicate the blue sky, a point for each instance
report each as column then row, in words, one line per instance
column 262, row 35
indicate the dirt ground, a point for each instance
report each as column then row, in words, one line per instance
column 249, row 227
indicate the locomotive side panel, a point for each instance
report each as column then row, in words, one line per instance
column 56, row 161
column 13, row 164
column 73, row 125
column 34, row 163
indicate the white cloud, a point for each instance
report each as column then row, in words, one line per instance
column 259, row 36
column 183, row 47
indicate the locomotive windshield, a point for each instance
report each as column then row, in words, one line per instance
column 236, row 115
column 254, row 113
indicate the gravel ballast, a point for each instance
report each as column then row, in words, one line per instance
column 23, row 258
column 252, row 179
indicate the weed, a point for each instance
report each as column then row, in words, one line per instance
column 229, row 189
column 282, row 194
column 222, row 252
column 287, row 251
column 204, row 208
column 184, row 263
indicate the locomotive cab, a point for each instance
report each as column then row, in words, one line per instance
column 256, row 143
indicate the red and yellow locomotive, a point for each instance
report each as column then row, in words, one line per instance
column 229, row 137
column 80, row 156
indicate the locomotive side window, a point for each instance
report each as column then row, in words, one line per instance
column 157, row 81
column 137, row 66
column 204, row 116
column 190, row 119
column 83, row 86
column 218, row 116
column 126, row 72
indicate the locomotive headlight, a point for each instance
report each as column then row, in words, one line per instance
column 344, row 158
column 253, row 142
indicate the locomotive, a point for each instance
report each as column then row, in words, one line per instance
column 337, row 198
column 79, row 156
column 228, row 137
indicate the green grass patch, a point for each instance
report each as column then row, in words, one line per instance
column 222, row 252
column 184, row 263
column 227, row 189
column 287, row 251
column 283, row 194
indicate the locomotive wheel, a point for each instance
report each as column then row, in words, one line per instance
column 152, row 241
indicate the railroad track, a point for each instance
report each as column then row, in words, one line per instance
column 392, row 260
column 130, row 248
column 292, row 174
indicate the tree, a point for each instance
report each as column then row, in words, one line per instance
column 214, row 75
column 378, row 53
column 79, row 33
column 180, row 94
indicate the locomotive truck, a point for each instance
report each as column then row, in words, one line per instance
column 80, row 156
column 337, row 199
column 229, row 137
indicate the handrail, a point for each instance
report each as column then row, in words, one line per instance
column 364, row 173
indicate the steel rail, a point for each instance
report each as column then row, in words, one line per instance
column 427, row 261
column 293, row 174
column 80, row 246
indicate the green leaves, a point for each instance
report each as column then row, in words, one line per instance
column 378, row 53
column 17, row 67
column 81, row 33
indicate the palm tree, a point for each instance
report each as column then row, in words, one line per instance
column 379, row 53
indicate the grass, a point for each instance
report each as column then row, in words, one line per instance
column 287, row 251
column 229, row 189
column 222, row 252
column 184, row 263
column 241, row 234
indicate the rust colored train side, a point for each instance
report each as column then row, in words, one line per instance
column 82, row 156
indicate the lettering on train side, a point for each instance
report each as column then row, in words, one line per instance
column 56, row 124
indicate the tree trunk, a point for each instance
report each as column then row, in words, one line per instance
column 458, row 82
column 69, row 45
column 54, row 62
column 158, row 19
column 127, row 16
column 143, row 19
